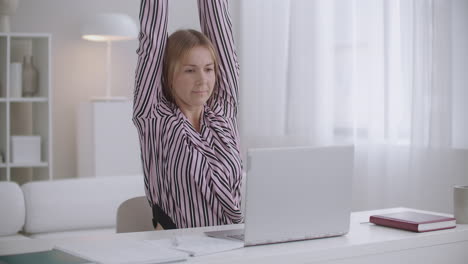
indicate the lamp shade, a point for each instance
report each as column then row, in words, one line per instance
column 110, row 27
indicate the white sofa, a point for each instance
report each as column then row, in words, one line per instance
column 63, row 208
column 12, row 211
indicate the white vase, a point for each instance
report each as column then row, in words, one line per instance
column 7, row 9
column 16, row 79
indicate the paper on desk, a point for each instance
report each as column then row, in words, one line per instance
column 124, row 251
column 203, row 245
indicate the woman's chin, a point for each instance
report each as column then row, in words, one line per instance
column 200, row 99
column 193, row 102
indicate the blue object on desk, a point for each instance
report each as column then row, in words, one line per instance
column 47, row 257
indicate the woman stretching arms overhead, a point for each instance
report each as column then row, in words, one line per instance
column 185, row 110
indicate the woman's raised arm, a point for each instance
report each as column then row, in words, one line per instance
column 216, row 24
column 152, row 44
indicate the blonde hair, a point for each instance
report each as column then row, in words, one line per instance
column 178, row 46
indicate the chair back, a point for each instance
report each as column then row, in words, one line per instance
column 134, row 215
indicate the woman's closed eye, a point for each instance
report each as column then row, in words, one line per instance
column 189, row 70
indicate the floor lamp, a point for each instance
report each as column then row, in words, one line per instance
column 109, row 28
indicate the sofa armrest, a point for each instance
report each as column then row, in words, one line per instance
column 12, row 209
column 77, row 204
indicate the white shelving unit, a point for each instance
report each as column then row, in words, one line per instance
column 25, row 116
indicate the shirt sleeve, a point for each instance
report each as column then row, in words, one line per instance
column 152, row 44
column 215, row 23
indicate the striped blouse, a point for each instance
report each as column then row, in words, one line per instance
column 194, row 177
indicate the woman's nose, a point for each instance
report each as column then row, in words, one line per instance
column 202, row 77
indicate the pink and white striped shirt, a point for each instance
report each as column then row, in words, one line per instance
column 194, row 177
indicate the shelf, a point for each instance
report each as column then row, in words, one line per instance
column 29, row 99
column 29, row 165
column 20, row 115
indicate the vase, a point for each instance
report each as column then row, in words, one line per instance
column 16, row 79
column 30, row 77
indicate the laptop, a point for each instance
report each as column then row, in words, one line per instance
column 295, row 194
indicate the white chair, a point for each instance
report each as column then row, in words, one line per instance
column 134, row 215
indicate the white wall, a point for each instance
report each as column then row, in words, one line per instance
column 78, row 66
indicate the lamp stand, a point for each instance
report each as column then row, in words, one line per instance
column 108, row 96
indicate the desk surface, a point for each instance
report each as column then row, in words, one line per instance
column 364, row 239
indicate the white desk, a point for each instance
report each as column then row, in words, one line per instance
column 365, row 243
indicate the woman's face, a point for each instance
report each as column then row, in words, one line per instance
column 194, row 79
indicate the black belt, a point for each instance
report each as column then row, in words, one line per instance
column 159, row 216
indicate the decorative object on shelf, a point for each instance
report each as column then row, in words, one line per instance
column 460, row 204
column 30, row 77
column 25, row 149
column 110, row 27
column 16, row 79
column 7, row 9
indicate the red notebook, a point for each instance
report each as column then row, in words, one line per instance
column 412, row 221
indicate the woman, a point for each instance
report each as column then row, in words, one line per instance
column 185, row 110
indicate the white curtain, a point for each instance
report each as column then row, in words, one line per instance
column 373, row 73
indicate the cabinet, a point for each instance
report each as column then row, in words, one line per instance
column 25, row 116
column 107, row 140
